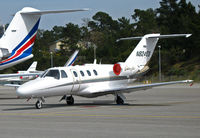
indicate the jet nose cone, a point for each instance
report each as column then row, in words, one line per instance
column 20, row 91
column 23, row 91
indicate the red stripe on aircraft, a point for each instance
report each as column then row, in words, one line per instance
column 31, row 41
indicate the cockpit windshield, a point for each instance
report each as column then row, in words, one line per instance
column 51, row 73
column 44, row 73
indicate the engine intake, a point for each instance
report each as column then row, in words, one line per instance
column 117, row 69
column 4, row 53
column 121, row 69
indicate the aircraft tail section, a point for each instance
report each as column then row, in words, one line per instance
column 33, row 66
column 20, row 36
column 17, row 42
column 143, row 52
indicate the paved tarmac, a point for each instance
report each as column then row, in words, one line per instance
column 163, row 112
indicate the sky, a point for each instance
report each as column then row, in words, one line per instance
column 115, row 8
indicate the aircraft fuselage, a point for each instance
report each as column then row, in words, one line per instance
column 78, row 80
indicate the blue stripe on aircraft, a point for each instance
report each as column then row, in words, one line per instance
column 73, row 61
column 23, row 55
column 29, row 50
column 34, row 29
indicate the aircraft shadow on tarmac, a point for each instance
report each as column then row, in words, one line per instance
column 81, row 105
column 8, row 98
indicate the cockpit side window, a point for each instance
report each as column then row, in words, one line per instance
column 53, row 73
column 63, row 74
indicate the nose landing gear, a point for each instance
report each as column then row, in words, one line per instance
column 39, row 102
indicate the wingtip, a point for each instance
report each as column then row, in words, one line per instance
column 188, row 81
column 86, row 9
column 188, row 35
column 117, row 40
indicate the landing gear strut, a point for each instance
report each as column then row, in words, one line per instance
column 70, row 100
column 119, row 100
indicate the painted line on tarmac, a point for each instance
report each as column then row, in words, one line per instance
column 56, row 114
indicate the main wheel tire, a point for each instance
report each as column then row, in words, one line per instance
column 70, row 100
column 119, row 100
column 38, row 104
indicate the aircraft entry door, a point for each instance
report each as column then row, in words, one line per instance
column 76, row 80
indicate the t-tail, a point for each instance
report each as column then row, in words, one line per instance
column 33, row 67
column 17, row 42
column 142, row 53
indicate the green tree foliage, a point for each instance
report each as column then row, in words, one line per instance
column 1, row 31
column 145, row 21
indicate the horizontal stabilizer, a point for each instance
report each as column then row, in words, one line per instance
column 159, row 36
column 172, row 36
column 52, row 11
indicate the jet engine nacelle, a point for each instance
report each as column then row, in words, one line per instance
column 121, row 69
column 4, row 53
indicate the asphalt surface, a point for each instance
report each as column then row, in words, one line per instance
column 163, row 112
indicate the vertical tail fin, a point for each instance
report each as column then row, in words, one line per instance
column 72, row 59
column 33, row 66
column 17, row 42
column 21, row 32
column 19, row 37
column 143, row 52
column 145, row 48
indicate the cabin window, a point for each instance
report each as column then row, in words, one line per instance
column 82, row 73
column 88, row 72
column 95, row 72
column 53, row 73
column 75, row 74
column 63, row 74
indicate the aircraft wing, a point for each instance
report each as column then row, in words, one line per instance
column 122, row 89
column 18, row 75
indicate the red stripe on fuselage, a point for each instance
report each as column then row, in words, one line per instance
column 31, row 41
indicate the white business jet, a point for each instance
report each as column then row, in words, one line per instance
column 17, row 42
column 93, row 80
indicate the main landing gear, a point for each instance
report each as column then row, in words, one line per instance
column 69, row 99
column 120, row 99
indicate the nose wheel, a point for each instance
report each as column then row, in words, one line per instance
column 38, row 104
column 70, row 100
